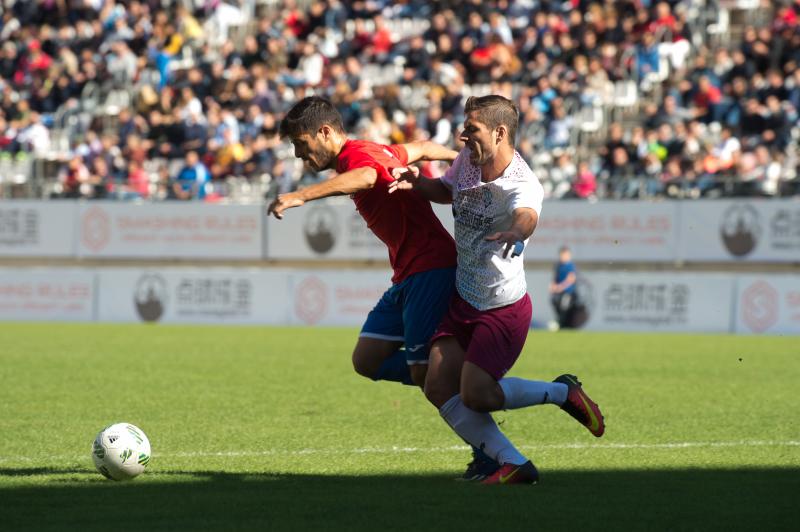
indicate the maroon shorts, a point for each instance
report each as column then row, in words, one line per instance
column 491, row 339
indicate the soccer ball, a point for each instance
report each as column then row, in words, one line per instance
column 121, row 451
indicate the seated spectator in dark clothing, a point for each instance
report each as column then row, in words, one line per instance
column 418, row 59
column 615, row 140
column 775, row 87
column 777, row 127
column 621, row 173
column 754, row 123
column 195, row 134
column 742, row 68
column 190, row 183
column 261, row 159
column 100, row 179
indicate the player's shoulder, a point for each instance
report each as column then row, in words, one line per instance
column 358, row 146
column 369, row 149
column 519, row 171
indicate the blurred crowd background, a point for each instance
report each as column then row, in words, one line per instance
column 152, row 99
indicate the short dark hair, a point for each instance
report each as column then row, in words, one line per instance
column 494, row 110
column 308, row 115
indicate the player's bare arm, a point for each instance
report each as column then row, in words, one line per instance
column 343, row 184
column 425, row 150
column 410, row 179
column 522, row 227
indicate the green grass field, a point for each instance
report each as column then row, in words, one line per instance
column 270, row 429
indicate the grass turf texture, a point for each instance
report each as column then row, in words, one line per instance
column 270, row 428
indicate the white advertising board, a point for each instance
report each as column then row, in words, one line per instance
column 647, row 302
column 765, row 230
column 47, row 294
column 327, row 229
column 170, row 230
column 620, row 230
column 192, row 295
column 335, row 297
column 768, row 304
column 612, row 231
column 37, row 228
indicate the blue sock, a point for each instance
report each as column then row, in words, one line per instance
column 395, row 369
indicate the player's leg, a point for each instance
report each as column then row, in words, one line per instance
column 378, row 354
column 496, row 343
column 444, row 372
column 477, row 428
column 426, row 297
column 381, row 360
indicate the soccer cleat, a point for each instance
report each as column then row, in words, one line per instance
column 480, row 467
column 514, row 474
column 579, row 406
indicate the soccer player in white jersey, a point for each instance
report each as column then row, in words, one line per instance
column 496, row 205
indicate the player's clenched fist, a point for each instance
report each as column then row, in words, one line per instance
column 405, row 178
column 283, row 202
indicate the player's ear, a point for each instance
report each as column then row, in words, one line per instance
column 324, row 131
column 500, row 134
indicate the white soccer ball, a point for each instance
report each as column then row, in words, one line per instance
column 121, row 451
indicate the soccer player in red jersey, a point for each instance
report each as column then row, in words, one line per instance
column 393, row 343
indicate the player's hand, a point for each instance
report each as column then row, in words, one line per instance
column 283, row 202
column 404, row 178
column 511, row 241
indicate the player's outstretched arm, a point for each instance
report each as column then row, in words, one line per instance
column 425, row 150
column 348, row 182
column 522, row 226
column 430, row 189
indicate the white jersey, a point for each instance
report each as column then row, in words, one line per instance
column 485, row 279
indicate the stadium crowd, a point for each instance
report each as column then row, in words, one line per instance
column 181, row 99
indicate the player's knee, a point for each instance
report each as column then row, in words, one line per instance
column 435, row 393
column 418, row 373
column 440, row 390
column 480, row 400
column 363, row 365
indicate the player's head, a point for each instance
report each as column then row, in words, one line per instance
column 315, row 128
column 491, row 125
column 564, row 254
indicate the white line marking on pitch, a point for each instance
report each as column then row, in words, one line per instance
column 460, row 448
column 452, row 448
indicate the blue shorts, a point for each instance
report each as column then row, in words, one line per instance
column 411, row 310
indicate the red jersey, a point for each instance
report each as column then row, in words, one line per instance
column 404, row 221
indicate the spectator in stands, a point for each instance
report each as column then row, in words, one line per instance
column 193, row 71
column 100, row 179
column 137, row 185
column 191, row 181
column 646, row 57
column 73, row 177
column 585, row 184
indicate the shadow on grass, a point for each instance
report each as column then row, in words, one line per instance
column 696, row 499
